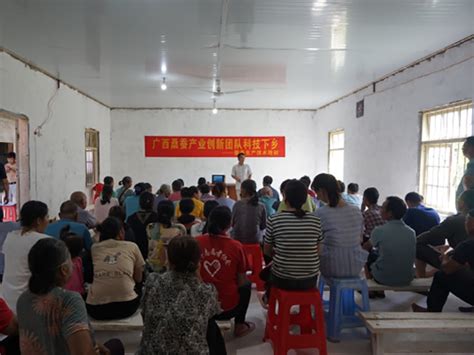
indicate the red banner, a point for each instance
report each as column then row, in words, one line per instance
column 214, row 147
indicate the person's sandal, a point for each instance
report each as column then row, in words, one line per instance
column 250, row 327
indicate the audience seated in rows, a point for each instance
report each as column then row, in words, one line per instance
column 178, row 308
column 292, row 242
column 205, row 191
column 431, row 244
column 139, row 221
column 220, row 192
column 51, row 319
column 34, row 220
column 248, row 215
column 104, row 204
column 392, row 247
column 83, row 216
column 118, row 267
column 308, row 206
column 342, row 255
column 456, row 274
column 68, row 213
column 201, row 228
column 191, row 193
column 162, row 194
column 419, row 217
column 125, row 190
column 176, row 194
column 371, row 212
column 224, row 264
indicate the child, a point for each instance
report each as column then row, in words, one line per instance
column 11, row 170
column 186, row 207
column 75, row 245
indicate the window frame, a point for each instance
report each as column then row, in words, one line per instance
column 330, row 134
column 96, row 155
column 431, row 143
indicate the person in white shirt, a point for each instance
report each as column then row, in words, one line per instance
column 240, row 173
column 34, row 220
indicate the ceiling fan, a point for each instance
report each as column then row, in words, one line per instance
column 217, row 90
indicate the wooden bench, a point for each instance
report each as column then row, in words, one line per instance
column 135, row 323
column 417, row 285
column 381, row 323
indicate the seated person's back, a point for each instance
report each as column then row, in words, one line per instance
column 34, row 220
column 177, row 306
column 68, row 214
column 118, row 267
column 186, row 217
column 248, row 215
column 342, row 224
column 395, row 245
column 418, row 217
column 139, row 221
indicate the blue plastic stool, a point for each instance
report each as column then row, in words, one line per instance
column 341, row 308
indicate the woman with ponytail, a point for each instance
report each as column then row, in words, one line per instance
column 34, row 220
column 104, row 204
column 118, row 269
column 292, row 240
column 342, row 226
column 51, row 319
column 177, row 306
column 223, row 264
column 125, row 189
column 249, row 216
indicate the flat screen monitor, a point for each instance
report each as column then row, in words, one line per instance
column 218, row 178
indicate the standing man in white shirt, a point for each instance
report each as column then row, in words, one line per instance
column 240, row 173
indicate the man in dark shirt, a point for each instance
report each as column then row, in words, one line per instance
column 456, row 275
column 4, row 180
column 430, row 245
column 418, row 217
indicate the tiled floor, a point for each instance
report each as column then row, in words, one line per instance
column 354, row 341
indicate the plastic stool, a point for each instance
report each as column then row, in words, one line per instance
column 255, row 260
column 341, row 309
column 9, row 213
column 277, row 329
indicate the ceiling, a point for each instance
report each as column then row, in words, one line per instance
column 293, row 54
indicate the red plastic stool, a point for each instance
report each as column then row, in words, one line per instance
column 312, row 332
column 9, row 213
column 255, row 260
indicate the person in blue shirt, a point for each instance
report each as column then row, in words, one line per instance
column 352, row 197
column 132, row 203
column 419, row 217
column 68, row 217
column 267, row 182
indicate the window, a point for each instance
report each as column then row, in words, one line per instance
column 92, row 157
column 336, row 154
column 442, row 161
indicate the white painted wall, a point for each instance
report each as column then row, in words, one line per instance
column 382, row 147
column 57, row 158
column 130, row 126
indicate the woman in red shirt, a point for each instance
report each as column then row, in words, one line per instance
column 223, row 264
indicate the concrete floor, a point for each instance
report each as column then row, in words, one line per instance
column 353, row 341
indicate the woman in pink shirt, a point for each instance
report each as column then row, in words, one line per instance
column 75, row 244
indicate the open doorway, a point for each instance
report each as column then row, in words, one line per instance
column 14, row 137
